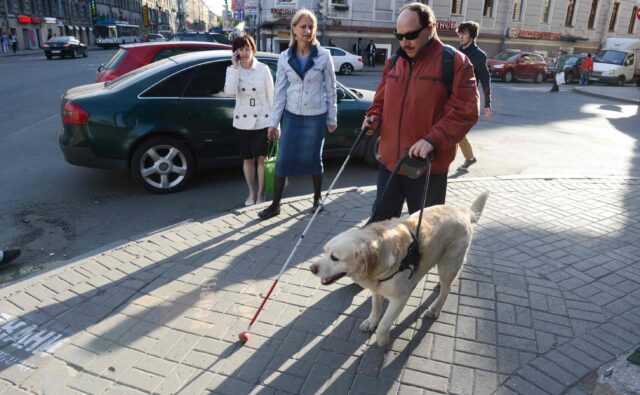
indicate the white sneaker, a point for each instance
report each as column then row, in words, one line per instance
column 249, row 202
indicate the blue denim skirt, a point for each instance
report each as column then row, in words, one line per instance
column 301, row 143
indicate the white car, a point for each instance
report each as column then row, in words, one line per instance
column 345, row 62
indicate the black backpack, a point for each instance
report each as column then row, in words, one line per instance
column 448, row 53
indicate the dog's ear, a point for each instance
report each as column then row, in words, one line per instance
column 368, row 254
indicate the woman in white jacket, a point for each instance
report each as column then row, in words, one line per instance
column 251, row 82
column 305, row 105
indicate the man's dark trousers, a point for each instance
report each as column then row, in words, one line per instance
column 403, row 187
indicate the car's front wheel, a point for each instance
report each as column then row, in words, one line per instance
column 620, row 81
column 508, row 76
column 346, row 69
column 163, row 165
column 74, row 54
column 568, row 77
column 86, row 53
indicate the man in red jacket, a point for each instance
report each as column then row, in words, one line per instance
column 586, row 68
column 414, row 111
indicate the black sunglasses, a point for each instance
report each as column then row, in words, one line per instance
column 409, row 36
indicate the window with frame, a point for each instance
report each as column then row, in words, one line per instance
column 546, row 10
column 614, row 17
column 592, row 14
column 632, row 23
column 172, row 86
column 487, row 9
column 571, row 7
column 456, row 7
column 340, row 2
column 285, row 1
column 208, row 80
column 383, row 5
column 517, row 10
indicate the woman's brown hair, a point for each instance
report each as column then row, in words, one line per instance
column 242, row 41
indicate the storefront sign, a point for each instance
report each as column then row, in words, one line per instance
column 37, row 20
column 519, row 33
column 145, row 15
column 447, row 25
column 24, row 19
column 94, row 9
column 283, row 11
column 284, row 34
column 250, row 7
column 50, row 20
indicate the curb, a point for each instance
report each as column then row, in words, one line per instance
column 603, row 96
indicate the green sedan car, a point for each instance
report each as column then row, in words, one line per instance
column 168, row 119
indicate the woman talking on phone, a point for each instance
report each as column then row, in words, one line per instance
column 305, row 104
column 251, row 82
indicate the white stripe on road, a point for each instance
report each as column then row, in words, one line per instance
column 29, row 127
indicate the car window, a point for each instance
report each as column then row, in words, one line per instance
column 208, row 80
column 136, row 75
column 172, row 86
column 539, row 58
column 630, row 59
column 115, row 60
column 336, row 52
column 164, row 53
column 524, row 58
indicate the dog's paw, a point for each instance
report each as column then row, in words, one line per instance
column 431, row 314
column 368, row 325
column 382, row 338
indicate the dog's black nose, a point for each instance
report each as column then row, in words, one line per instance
column 314, row 269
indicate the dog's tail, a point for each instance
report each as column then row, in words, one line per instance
column 478, row 206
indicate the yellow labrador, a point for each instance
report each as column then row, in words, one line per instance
column 371, row 256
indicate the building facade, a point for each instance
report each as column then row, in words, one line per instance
column 543, row 26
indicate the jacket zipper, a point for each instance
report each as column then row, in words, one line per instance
column 404, row 96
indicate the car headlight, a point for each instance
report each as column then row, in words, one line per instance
column 609, row 72
column 498, row 66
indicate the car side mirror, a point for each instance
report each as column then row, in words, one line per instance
column 341, row 95
column 100, row 67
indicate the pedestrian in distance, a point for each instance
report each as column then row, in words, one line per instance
column 468, row 33
column 586, row 69
column 251, row 83
column 434, row 118
column 371, row 53
column 357, row 47
column 330, row 43
column 305, row 105
column 5, row 43
column 8, row 256
column 14, row 43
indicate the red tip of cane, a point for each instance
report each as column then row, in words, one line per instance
column 244, row 337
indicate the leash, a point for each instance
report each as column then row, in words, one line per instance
column 412, row 259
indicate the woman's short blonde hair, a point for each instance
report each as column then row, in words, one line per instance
column 303, row 12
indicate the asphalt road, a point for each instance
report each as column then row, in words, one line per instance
column 56, row 211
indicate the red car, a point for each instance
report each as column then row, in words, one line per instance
column 132, row 56
column 509, row 65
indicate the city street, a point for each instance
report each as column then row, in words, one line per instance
column 55, row 211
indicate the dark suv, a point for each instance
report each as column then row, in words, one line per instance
column 509, row 65
column 201, row 36
column 570, row 64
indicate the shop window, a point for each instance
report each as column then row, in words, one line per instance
column 546, row 10
column 487, row 10
column 632, row 23
column 614, row 17
column 456, row 7
column 517, row 10
column 592, row 14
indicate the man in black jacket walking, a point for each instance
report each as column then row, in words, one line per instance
column 467, row 33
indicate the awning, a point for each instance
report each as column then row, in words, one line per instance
column 76, row 27
column 83, row 28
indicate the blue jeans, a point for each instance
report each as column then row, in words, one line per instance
column 584, row 77
column 404, row 188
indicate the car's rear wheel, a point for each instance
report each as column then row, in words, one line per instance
column 48, row 57
column 568, row 77
column 346, row 69
column 163, row 165
column 508, row 76
column 74, row 54
column 538, row 78
column 86, row 53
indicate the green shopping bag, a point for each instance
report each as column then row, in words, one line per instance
column 270, row 168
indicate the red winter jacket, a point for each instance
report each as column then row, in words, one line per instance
column 587, row 64
column 413, row 104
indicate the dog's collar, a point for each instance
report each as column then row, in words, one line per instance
column 401, row 268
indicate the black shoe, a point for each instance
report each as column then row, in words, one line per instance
column 467, row 163
column 317, row 203
column 9, row 256
column 269, row 212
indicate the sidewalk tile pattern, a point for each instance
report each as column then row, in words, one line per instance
column 550, row 292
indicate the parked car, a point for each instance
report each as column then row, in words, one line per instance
column 132, row 56
column 345, row 62
column 570, row 65
column 201, row 36
column 509, row 66
column 153, row 37
column 65, row 46
column 617, row 62
column 167, row 119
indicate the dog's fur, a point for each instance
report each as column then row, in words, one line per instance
column 375, row 252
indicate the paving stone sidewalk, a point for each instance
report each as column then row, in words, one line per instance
column 550, row 292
